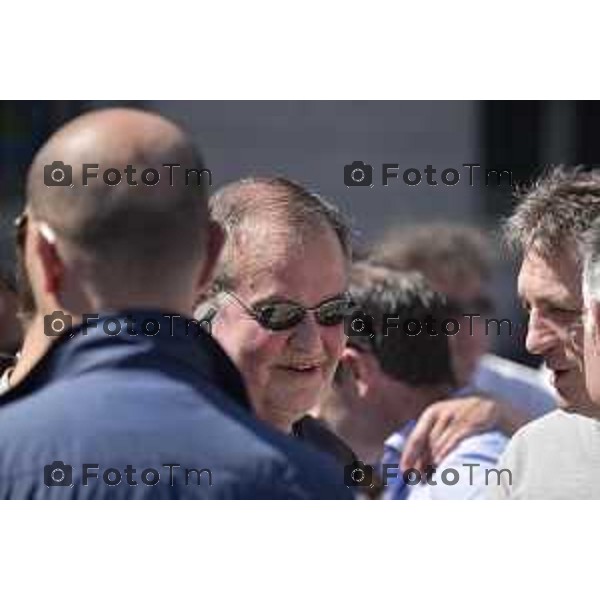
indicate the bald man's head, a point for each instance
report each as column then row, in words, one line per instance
column 129, row 232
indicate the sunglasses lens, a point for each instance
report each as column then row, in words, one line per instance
column 332, row 312
column 281, row 315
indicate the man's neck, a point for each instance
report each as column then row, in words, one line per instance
column 35, row 345
column 367, row 435
column 363, row 436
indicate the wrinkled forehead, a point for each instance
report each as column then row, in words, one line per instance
column 306, row 267
column 552, row 276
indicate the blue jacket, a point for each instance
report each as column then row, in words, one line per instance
column 140, row 416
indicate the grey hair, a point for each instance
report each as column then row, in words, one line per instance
column 555, row 211
column 590, row 251
column 248, row 207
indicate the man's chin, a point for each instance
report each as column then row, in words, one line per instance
column 579, row 406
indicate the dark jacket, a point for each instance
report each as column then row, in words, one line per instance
column 130, row 407
column 316, row 433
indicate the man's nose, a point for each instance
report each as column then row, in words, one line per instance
column 541, row 337
column 307, row 334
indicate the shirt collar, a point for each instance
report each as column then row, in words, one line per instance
column 78, row 351
column 397, row 440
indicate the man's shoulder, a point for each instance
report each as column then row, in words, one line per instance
column 486, row 446
column 515, row 383
column 552, row 457
column 536, row 435
column 248, row 458
column 557, row 422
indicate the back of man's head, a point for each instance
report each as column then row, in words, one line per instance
column 147, row 231
column 438, row 250
column 398, row 298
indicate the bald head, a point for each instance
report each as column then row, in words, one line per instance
column 117, row 212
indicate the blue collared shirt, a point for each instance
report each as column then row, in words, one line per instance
column 455, row 479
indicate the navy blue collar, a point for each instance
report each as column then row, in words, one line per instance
column 176, row 344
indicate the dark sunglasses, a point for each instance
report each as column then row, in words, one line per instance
column 280, row 315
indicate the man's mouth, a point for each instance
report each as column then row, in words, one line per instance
column 303, row 368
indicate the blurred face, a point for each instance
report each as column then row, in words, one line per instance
column 471, row 342
column 550, row 289
column 285, row 371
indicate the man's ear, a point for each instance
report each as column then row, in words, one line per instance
column 215, row 238
column 359, row 366
column 51, row 265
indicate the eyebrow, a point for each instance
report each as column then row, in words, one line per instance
column 545, row 302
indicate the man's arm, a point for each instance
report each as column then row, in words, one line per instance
column 443, row 425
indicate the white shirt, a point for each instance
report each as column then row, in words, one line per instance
column 555, row 457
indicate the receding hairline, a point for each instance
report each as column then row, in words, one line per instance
column 277, row 207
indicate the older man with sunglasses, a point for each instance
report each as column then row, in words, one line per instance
column 279, row 299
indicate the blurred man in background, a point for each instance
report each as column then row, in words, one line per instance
column 133, row 402
column 456, row 260
column 33, row 342
column 557, row 456
column 10, row 329
column 388, row 377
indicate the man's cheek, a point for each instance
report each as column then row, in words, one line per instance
column 335, row 342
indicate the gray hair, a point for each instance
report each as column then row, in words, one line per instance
column 248, row 207
column 590, row 251
column 555, row 211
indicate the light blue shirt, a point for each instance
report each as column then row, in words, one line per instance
column 465, row 474
column 522, row 387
